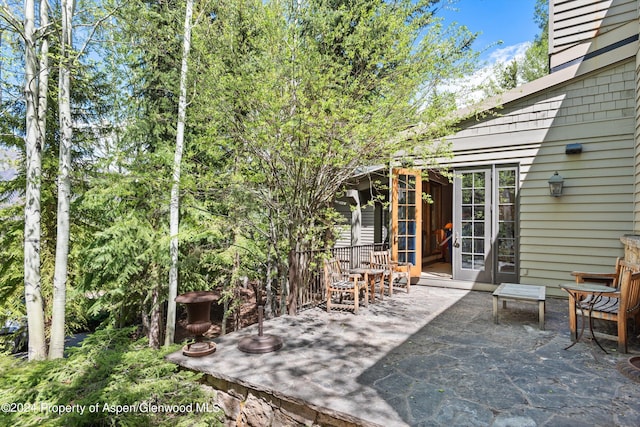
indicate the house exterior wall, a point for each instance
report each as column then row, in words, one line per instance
column 367, row 227
column 636, row 200
column 580, row 230
column 581, row 27
column 343, row 231
column 579, row 21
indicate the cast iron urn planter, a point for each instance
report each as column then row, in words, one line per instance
column 198, row 305
column 630, row 368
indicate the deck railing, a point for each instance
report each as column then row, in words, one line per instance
column 312, row 291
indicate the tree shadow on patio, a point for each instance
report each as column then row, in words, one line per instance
column 462, row 369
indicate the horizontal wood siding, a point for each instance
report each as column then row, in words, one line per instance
column 343, row 231
column 636, row 201
column 580, row 230
column 578, row 21
column 367, row 231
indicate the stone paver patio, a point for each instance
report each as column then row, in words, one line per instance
column 433, row 357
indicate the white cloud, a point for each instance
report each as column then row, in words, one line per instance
column 508, row 53
column 469, row 89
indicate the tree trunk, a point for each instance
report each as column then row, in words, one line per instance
column 237, row 295
column 273, row 270
column 56, row 349
column 268, row 307
column 33, row 146
column 225, row 316
column 175, row 188
column 155, row 315
column 294, row 273
column 155, row 321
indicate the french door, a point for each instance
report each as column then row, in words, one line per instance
column 406, row 218
column 485, row 224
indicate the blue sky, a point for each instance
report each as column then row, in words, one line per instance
column 509, row 21
column 506, row 28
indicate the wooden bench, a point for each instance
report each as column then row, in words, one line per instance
column 518, row 292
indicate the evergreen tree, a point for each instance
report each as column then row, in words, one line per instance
column 533, row 65
column 536, row 60
column 128, row 204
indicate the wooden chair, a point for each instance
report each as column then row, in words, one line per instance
column 612, row 307
column 612, row 279
column 616, row 308
column 343, row 286
column 394, row 275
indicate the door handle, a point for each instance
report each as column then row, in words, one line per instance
column 456, row 241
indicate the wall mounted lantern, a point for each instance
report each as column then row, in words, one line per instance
column 555, row 185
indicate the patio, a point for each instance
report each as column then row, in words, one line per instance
column 433, row 357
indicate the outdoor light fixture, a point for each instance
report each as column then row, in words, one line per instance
column 573, row 149
column 555, row 185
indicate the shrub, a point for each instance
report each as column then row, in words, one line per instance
column 111, row 379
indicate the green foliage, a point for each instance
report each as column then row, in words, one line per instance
column 90, row 106
column 535, row 63
column 124, row 255
column 287, row 100
column 536, row 60
column 507, row 76
column 11, row 241
column 109, row 372
column 299, row 96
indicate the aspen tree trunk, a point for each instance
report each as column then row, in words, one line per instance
column 174, row 216
column 43, row 73
column 56, row 349
column 33, row 146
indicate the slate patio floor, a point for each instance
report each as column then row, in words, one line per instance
column 434, row 357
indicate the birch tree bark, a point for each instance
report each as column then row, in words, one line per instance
column 35, row 91
column 43, row 72
column 174, row 218
column 56, row 349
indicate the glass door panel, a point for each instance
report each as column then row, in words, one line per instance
column 472, row 228
column 507, row 191
column 406, row 218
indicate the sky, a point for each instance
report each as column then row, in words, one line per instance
column 506, row 21
column 506, row 28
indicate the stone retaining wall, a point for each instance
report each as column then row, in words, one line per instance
column 246, row 406
column 631, row 248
